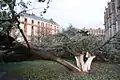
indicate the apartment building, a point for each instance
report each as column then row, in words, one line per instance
column 35, row 27
column 98, row 31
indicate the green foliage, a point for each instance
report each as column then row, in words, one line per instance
column 7, row 1
column 111, row 51
column 70, row 41
column 5, row 25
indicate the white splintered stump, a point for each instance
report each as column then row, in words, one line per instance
column 90, row 62
column 87, row 54
column 81, row 64
column 77, row 58
column 86, row 66
column 82, row 60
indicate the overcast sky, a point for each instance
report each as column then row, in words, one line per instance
column 80, row 13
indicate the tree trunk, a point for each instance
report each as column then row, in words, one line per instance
column 90, row 59
column 77, row 58
column 81, row 64
column 82, row 61
column 47, row 56
column 86, row 66
column 21, row 31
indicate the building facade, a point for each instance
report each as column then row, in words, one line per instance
column 35, row 27
column 112, row 18
column 96, row 32
column 99, row 33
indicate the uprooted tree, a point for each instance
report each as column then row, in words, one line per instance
column 71, row 42
column 76, row 43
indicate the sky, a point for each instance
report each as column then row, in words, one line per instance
column 79, row 13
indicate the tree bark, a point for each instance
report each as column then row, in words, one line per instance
column 86, row 66
column 21, row 31
column 90, row 59
column 82, row 61
column 77, row 58
column 47, row 56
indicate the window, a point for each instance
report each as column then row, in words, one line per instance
column 38, row 27
column 32, row 21
column 38, row 22
column 25, row 24
column 25, row 20
column 25, row 27
column 32, row 27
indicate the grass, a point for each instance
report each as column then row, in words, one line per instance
column 47, row 70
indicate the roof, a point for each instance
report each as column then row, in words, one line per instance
column 39, row 18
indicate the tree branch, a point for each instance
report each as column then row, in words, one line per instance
column 105, row 42
column 9, row 20
column 23, row 35
column 15, row 19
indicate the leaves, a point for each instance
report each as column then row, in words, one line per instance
column 41, row 0
column 7, row 1
column 69, row 41
column 45, row 9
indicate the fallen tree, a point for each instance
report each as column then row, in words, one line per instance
column 20, row 52
column 72, row 41
column 51, row 52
